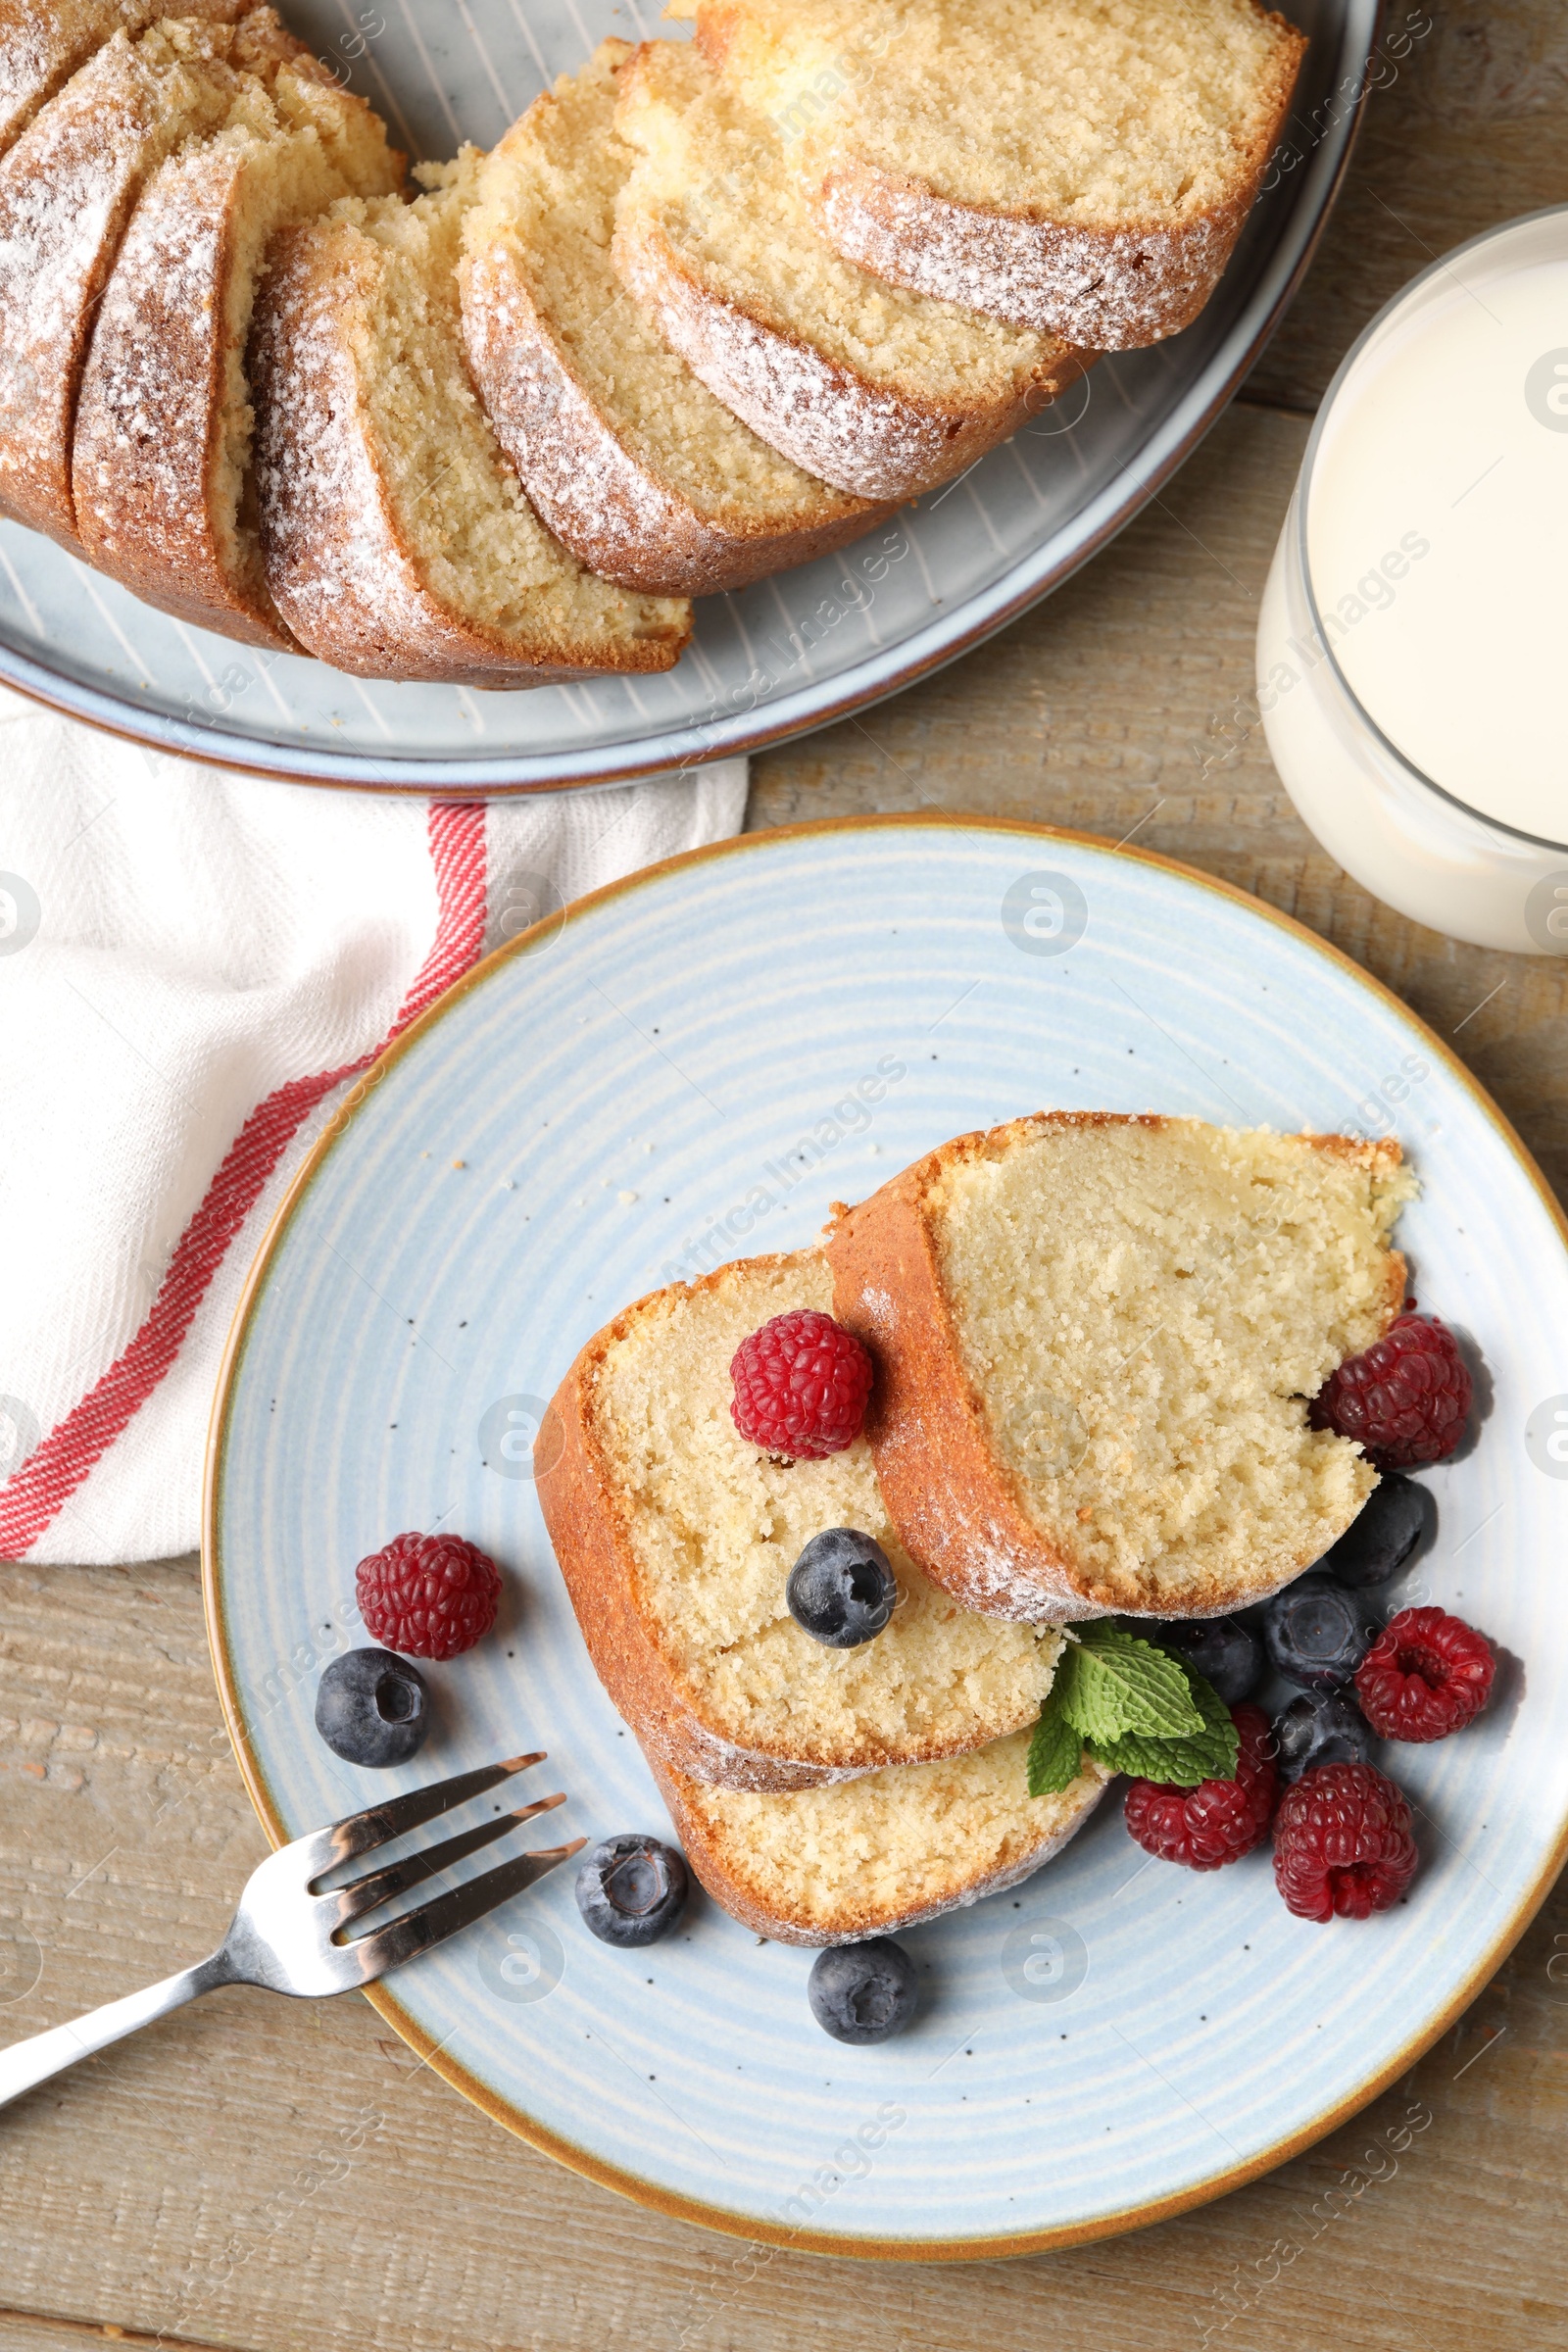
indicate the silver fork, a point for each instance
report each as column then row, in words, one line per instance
column 288, row 1937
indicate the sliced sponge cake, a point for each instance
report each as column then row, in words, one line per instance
column 43, row 42
column 1095, row 1339
column 873, row 1855
column 627, row 456
column 866, row 384
column 161, row 467
column 67, row 192
column 1081, row 166
column 676, row 1538
column 396, row 538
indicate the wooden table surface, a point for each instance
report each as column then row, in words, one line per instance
column 181, row 2190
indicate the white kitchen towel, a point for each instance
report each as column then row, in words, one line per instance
column 194, row 966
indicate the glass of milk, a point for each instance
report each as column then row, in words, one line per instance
column 1413, row 649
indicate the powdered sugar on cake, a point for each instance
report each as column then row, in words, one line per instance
column 858, row 434
column 1106, row 289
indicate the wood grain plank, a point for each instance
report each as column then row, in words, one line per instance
column 35, row 2332
column 1471, row 129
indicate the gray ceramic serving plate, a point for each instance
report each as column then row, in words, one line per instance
column 784, row 657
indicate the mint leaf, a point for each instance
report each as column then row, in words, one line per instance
column 1056, row 1752
column 1208, row 1701
column 1208, row 1755
column 1182, row 1763
column 1111, row 1683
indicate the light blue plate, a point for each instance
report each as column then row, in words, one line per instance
column 673, row 1076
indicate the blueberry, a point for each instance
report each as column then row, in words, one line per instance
column 1377, row 1544
column 1225, row 1653
column 372, row 1708
column 841, row 1589
column 861, row 1992
column 1316, row 1632
column 1321, row 1727
column 631, row 1890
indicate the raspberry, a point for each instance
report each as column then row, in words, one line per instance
column 428, row 1596
column 1405, row 1401
column 801, row 1385
column 1218, row 1821
column 1426, row 1675
column 1342, row 1844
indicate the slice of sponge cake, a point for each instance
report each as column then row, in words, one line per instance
column 863, row 384
column 876, row 1854
column 67, row 188
column 1095, row 1339
column 1078, row 167
column 626, row 455
column 676, row 1538
column 397, row 539
column 43, row 42
column 160, row 466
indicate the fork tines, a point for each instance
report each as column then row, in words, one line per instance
column 381, row 1948
column 413, row 1870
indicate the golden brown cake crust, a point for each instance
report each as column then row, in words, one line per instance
column 1107, row 288
column 66, row 189
column 148, row 464
column 817, row 412
column 725, row 1869
column 43, row 42
column 343, row 572
column 613, row 512
column 610, row 496
column 1116, row 289
column 151, row 414
column 586, row 1515
column 955, row 1503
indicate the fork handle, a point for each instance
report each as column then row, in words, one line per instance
column 32, row 2061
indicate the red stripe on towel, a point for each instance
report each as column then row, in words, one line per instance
column 56, row 1467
